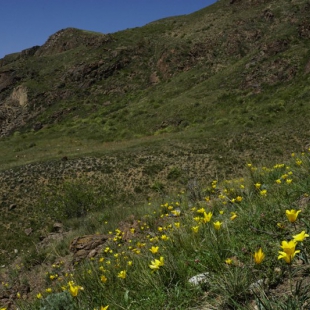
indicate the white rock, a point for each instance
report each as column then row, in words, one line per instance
column 199, row 278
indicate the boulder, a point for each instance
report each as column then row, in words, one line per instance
column 87, row 246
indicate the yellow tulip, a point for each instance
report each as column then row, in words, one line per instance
column 156, row 263
column 195, row 229
column 154, row 249
column 217, row 225
column 259, row 256
column 202, row 210
column 207, row 217
column 164, row 237
column 292, row 215
column 233, row 215
column 103, row 279
column 228, row 261
column 288, row 247
column 74, row 289
column 239, row 198
column 257, row 185
column 289, row 251
column 122, row 274
column 287, row 257
column 300, row 237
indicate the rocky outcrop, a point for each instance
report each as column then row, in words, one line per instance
column 19, row 96
column 13, row 110
column 7, row 79
column 69, row 38
column 87, row 246
column 29, row 51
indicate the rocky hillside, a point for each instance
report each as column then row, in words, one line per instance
column 180, row 100
column 243, row 45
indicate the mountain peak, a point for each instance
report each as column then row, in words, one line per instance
column 70, row 38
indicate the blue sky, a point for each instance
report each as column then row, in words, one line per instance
column 25, row 23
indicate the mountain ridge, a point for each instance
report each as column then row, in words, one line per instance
column 173, row 103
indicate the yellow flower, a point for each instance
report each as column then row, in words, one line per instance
column 239, row 198
column 207, row 217
column 177, row 224
column 140, row 245
column 122, row 274
column 164, row 237
column 130, row 263
column 48, row 290
column 288, row 247
column 132, row 230
column 154, row 249
column 289, row 251
column 197, row 219
column 104, row 308
column 221, row 212
column 259, row 256
column 157, row 263
column 39, row 296
column 292, row 215
column 195, row 229
column 103, row 279
column 257, row 185
column 202, row 210
column 176, row 212
column 233, row 215
column 154, row 239
column 298, row 162
column 263, row 192
column 278, row 181
column 289, row 181
column 217, row 225
column 221, row 196
column 300, row 237
column 228, row 261
column 287, row 257
column 74, row 289
column 137, row 251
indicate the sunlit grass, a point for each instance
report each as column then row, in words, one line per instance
column 239, row 241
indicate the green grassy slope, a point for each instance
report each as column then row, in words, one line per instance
column 139, row 112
